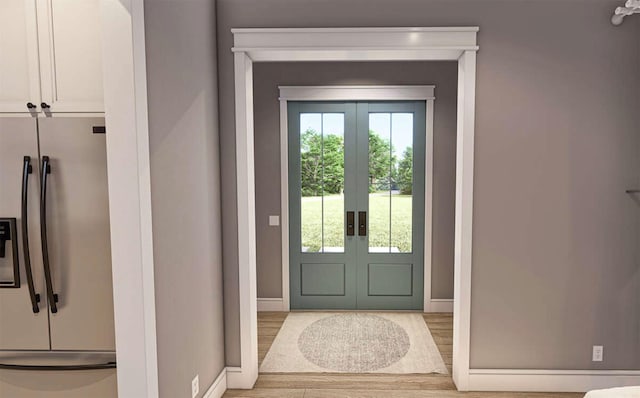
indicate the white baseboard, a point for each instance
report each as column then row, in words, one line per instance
column 218, row 387
column 439, row 305
column 241, row 380
column 270, row 304
column 550, row 380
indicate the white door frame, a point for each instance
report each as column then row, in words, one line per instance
column 352, row 44
column 355, row 93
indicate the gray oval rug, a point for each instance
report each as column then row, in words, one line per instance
column 354, row 342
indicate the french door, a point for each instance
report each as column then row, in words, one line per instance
column 356, row 204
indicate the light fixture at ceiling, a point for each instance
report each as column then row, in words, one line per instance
column 631, row 7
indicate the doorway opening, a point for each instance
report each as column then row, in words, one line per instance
column 359, row 185
column 352, row 44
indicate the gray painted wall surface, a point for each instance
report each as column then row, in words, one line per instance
column 267, row 78
column 555, row 265
column 185, row 189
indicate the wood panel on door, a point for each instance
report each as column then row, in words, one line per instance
column 78, row 234
column 20, row 327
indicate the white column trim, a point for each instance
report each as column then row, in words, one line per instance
column 464, row 219
column 245, row 178
column 125, row 94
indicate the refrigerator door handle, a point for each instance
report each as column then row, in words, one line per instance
column 53, row 298
column 108, row 365
column 26, row 170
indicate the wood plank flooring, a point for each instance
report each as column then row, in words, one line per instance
column 341, row 385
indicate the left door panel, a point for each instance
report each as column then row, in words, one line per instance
column 20, row 327
column 19, row 70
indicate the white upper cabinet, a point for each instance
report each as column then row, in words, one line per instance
column 51, row 54
column 70, row 55
column 19, row 71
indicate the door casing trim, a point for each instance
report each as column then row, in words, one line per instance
column 353, row 44
column 356, row 93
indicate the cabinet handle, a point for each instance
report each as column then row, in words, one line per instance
column 31, row 105
column 53, row 298
column 44, row 105
column 35, row 298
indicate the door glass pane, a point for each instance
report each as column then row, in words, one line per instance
column 390, row 182
column 380, row 164
column 322, row 182
column 402, row 190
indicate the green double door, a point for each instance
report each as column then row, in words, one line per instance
column 356, row 205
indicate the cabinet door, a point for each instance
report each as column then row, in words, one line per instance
column 71, row 55
column 19, row 74
column 20, row 328
column 78, row 234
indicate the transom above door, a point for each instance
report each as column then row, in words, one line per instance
column 356, row 204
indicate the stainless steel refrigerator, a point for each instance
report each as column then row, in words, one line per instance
column 56, row 305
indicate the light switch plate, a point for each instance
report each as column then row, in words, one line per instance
column 274, row 221
column 598, row 353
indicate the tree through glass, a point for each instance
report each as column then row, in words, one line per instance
column 322, row 182
column 390, row 182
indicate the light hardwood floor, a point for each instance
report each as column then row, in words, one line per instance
column 340, row 385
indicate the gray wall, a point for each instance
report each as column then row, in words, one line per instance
column 267, row 78
column 555, row 266
column 185, row 189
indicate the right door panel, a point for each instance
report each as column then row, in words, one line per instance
column 391, row 172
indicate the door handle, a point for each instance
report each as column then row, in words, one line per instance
column 53, row 298
column 26, row 170
column 351, row 223
column 362, row 223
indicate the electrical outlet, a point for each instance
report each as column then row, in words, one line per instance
column 195, row 386
column 274, row 221
column 598, row 353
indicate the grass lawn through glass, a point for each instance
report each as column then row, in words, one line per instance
column 385, row 229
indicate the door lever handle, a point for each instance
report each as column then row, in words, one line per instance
column 362, row 223
column 351, row 223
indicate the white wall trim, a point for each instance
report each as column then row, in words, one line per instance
column 440, row 305
column 218, row 387
column 353, row 44
column 464, row 219
column 125, row 95
column 238, row 379
column 271, row 304
column 245, row 179
column 358, row 93
column 550, row 380
column 284, row 203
